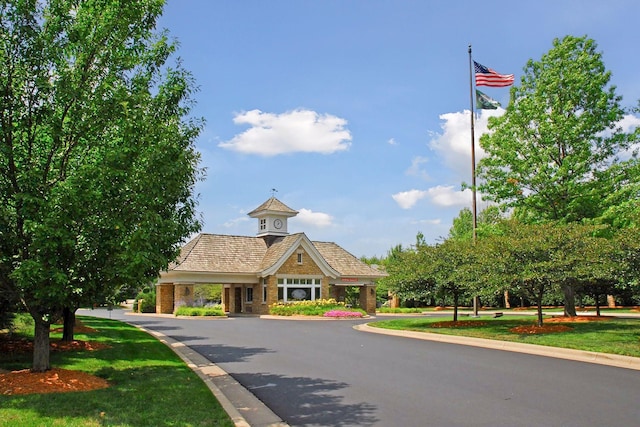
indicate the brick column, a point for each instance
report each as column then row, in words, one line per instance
column 368, row 299
column 324, row 288
column 164, row 298
column 183, row 295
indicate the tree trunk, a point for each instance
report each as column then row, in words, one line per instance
column 569, row 300
column 41, row 346
column 69, row 321
column 507, row 304
column 455, row 307
column 597, row 298
column 539, row 303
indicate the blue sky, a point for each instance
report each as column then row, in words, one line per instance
column 357, row 111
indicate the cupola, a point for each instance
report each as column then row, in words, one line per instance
column 272, row 217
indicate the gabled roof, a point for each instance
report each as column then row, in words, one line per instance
column 272, row 205
column 286, row 246
column 216, row 253
column 346, row 263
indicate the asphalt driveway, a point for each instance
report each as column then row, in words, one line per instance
column 325, row 373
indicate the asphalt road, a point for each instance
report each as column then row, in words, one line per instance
column 325, row 373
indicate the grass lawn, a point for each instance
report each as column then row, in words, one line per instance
column 613, row 335
column 150, row 385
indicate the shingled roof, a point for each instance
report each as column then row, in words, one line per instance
column 218, row 253
column 344, row 262
column 273, row 205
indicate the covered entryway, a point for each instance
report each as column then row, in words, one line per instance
column 360, row 295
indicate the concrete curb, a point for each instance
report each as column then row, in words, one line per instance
column 244, row 408
column 539, row 350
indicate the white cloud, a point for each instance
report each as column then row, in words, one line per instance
column 446, row 196
column 441, row 195
column 294, row 131
column 406, row 199
column 416, row 170
column 392, row 141
column 235, row 222
column 453, row 145
column 316, row 219
column 628, row 124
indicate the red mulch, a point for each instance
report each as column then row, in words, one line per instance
column 54, row 380
column 547, row 328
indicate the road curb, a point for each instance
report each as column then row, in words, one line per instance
column 615, row 360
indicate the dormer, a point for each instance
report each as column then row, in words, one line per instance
column 272, row 217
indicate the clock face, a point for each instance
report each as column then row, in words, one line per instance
column 277, row 223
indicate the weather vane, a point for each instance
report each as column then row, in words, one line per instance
column 273, row 192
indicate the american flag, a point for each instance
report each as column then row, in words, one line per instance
column 488, row 77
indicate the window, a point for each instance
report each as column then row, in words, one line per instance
column 299, row 257
column 298, row 289
column 264, row 290
column 249, row 294
column 263, row 224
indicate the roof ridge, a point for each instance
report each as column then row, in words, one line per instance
column 183, row 258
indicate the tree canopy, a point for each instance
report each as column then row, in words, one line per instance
column 560, row 130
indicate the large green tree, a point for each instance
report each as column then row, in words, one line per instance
column 96, row 153
column 546, row 154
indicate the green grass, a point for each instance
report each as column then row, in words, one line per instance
column 615, row 336
column 150, row 385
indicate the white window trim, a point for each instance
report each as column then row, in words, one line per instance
column 264, row 290
column 288, row 283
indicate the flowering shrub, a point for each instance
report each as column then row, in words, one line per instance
column 343, row 313
column 312, row 308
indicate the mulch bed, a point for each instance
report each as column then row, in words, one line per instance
column 55, row 380
column 52, row 381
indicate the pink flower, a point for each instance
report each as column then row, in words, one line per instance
column 340, row 313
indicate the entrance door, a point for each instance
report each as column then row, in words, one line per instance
column 226, row 300
column 238, row 300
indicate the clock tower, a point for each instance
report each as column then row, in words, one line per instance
column 272, row 218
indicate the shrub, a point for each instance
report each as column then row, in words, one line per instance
column 309, row 308
column 199, row 311
column 148, row 298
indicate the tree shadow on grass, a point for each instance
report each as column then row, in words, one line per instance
column 302, row 401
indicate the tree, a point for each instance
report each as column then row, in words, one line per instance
column 535, row 259
column 409, row 275
column 560, row 130
column 452, row 265
column 462, row 228
column 96, row 153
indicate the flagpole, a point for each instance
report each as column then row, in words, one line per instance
column 473, row 152
column 473, row 171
